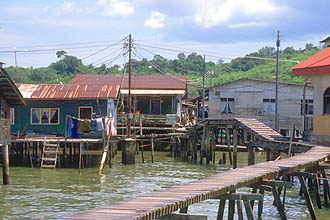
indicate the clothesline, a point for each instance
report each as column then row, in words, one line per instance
column 77, row 126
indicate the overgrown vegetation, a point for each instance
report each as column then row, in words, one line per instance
column 191, row 65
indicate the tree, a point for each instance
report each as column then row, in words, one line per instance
column 60, row 54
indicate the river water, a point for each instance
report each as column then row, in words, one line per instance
column 51, row 194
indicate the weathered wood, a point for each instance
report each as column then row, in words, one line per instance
column 307, row 197
column 183, row 217
column 184, row 210
column 326, row 190
column 242, row 196
column 239, row 209
column 5, row 164
column 291, row 139
column 152, row 149
column 231, row 209
column 224, row 158
column 277, row 183
column 141, row 140
column 251, row 155
column 235, row 148
column 248, row 210
column 278, row 203
column 254, row 191
column 228, row 144
column 221, row 209
column 260, row 204
column 317, row 192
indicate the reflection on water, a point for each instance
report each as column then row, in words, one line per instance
column 50, row 194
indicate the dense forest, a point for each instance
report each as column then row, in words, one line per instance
column 259, row 64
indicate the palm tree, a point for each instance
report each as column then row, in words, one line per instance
column 60, row 54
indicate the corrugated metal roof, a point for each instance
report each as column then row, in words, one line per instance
column 9, row 90
column 138, row 82
column 315, row 65
column 56, row 91
column 153, row 92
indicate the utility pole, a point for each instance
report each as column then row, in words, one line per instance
column 276, row 86
column 203, row 98
column 129, row 84
column 16, row 67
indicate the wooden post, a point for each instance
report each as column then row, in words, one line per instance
column 231, row 210
column 184, row 210
column 260, row 204
column 221, row 209
column 202, row 149
column 326, row 190
column 29, row 150
column 278, row 203
column 307, row 197
column 291, row 139
column 207, row 144
column 239, row 209
column 224, row 158
column 235, row 148
column 248, row 209
column 267, row 155
column 317, row 192
column 80, row 149
column 152, row 148
column 228, row 144
column 64, row 152
column 251, row 155
column 5, row 164
column 141, row 139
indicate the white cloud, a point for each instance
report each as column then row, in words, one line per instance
column 249, row 24
column 66, row 8
column 214, row 12
column 155, row 20
column 116, row 7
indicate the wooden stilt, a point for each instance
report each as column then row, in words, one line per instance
column 260, row 204
column 248, row 210
column 228, row 144
column 326, row 190
column 317, row 192
column 5, row 164
column 221, row 209
column 267, row 155
column 239, row 209
column 80, row 149
column 224, row 158
column 307, row 197
column 254, row 190
column 231, row 209
column 202, row 149
column 278, row 203
column 235, row 148
column 184, row 210
column 152, row 148
column 251, row 155
column 29, row 150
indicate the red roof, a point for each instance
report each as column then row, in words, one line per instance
column 55, row 91
column 315, row 65
column 137, row 82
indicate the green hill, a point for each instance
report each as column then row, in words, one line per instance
column 260, row 64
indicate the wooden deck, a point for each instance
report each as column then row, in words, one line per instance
column 161, row 203
column 164, row 202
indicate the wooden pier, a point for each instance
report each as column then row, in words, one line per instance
column 262, row 176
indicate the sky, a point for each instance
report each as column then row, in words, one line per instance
column 221, row 29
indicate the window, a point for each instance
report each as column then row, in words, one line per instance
column 227, row 105
column 326, row 106
column 2, row 108
column 269, row 106
column 45, row 116
column 12, row 116
column 85, row 112
column 308, row 107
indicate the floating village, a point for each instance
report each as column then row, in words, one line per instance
column 267, row 141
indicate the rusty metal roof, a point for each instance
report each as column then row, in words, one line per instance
column 8, row 89
column 56, row 91
column 137, row 82
column 317, row 64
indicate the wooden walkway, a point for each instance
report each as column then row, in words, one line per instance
column 161, row 203
column 164, row 202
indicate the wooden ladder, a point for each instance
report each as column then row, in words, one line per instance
column 49, row 155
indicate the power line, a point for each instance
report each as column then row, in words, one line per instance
column 97, row 61
column 97, row 52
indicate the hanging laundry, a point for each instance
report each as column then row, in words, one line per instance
column 86, row 126
column 80, row 129
column 93, row 125
column 74, row 129
column 70, row 126
column 100, row 126
column 110, row 131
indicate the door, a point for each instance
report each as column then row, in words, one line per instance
column 155, row 106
